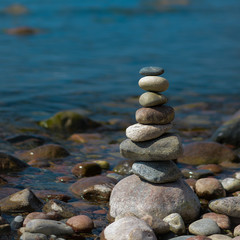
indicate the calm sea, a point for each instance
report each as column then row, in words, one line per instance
column 87, row 54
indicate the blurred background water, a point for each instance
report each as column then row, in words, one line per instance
column 88, row 53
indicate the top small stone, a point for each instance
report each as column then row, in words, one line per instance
column 151, row 71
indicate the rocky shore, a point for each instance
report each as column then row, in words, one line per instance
column 56, row 182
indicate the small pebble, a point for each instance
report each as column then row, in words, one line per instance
column 209, row 188
column 17, row 222
column 151, row 71
column 222, row 220
column 215, row 168
column 219, row 237
column 196, row 174
column 80, row 223
column 176, row 223
column 231, row 184
column 33, row 236
column 204, row 227
column 236, row 175
column 236, row 231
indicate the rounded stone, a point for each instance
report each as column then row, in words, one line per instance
column 80, row 223
column 151, row 71
column 176, row 223
column 35, row 215
column 33, row 236
column 157, row 172
column 219, row 237
column 150, row 99
column 48, row 227
column 236, row 231
column 209, row 188
column 162, row 114
column 156, row 200
column 231, row 184
column 153, row 83
column 222, row 221
column 212, row 167
column 97, row 188
column 165, row 148
column 17, row 222
column 86, row 169
column 204, row 227
column 205, row 153
column 128, row 228
column 229, row 206
column 140, row 132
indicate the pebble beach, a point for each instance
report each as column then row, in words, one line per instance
column 137, row 147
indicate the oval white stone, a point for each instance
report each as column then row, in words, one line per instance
column 153, row 83
column 140, row 132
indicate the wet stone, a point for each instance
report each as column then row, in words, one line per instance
column 205, row 153
column 35, row 215
column 151, row 99
column 162, row 114
column 196, row 174
column 153, row 84
column 212, row 167
column 97, row 188
column 17, row 222
column 151, row 71
column 3, row 181
column 157, row 172
column 44, row 152
column 167, row 147
column 9, row 162
column 86, row 169
column 47, row 195
column 64, row 210
column 141, row 132
column 22, row 201
column 124, row 167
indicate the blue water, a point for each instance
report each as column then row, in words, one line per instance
column 88, row 53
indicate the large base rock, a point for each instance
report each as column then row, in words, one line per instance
column 133, row 195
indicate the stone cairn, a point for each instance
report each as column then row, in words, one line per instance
column 156, row 189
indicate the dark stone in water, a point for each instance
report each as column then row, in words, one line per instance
column 27, row 141
column 2, row 181
column 97, row 188
column 64, row 210
column 229, row 133
column 124, row 167
column 69, row 121
column 44, row 152
column 151, row 71
column 22, row 31
column 86, row 169
column 8, row 162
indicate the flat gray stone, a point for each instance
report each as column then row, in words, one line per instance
column 153, row 83
column 157, row 172
column 151, row 71
column 204, row 227
column 231, row 184
column 166, row 147
column 141, row 132
column 48, row 227
column 229, row 206
column 150, row 99
column 129, row 228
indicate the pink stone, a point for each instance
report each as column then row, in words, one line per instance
column 81, row 223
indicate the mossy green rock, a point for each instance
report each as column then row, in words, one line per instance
column 69, row 121
column 229, row 132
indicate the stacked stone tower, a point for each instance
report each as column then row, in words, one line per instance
column 156, row 188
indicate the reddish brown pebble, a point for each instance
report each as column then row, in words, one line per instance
column 222, row 220
column 85, row 137
column 21, row 31
column 64, row 179
column 215, row 168
column 209, row 188
column 80, row 223
column 155, row 115
column 101, row 212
